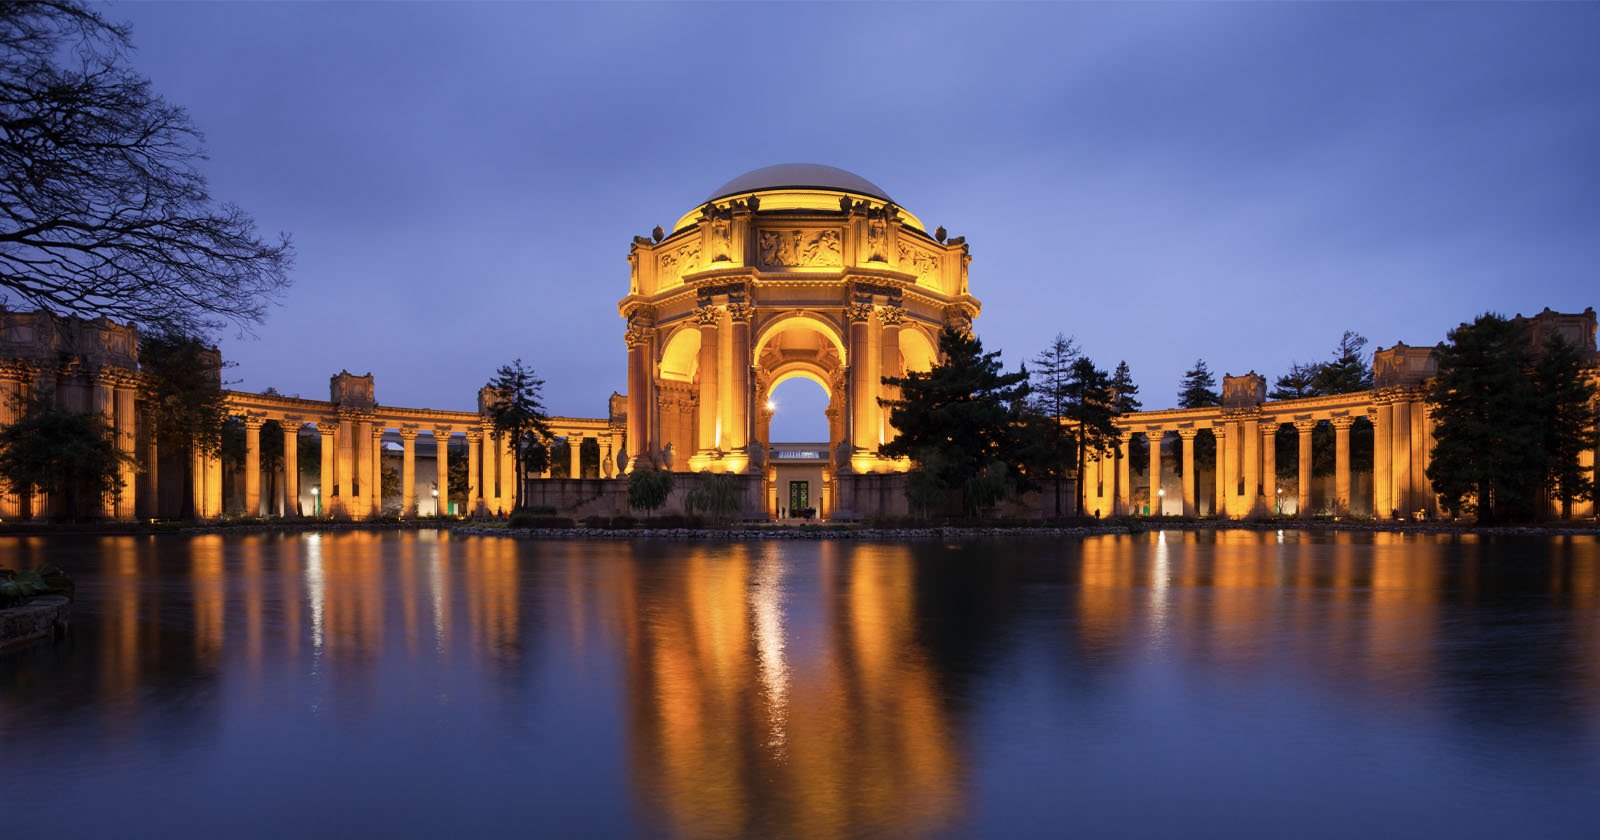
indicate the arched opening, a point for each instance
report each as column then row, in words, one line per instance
column 799, row 405
column 917, row 351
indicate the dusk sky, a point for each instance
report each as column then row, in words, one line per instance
column 1238, row 183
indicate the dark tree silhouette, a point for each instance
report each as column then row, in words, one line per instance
column 103, row 210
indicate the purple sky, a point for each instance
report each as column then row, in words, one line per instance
column 1234, row 182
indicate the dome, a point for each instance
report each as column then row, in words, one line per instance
column 813, row 176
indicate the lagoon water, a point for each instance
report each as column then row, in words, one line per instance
column 1161, row 685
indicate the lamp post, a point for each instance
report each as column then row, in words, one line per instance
column 1279, row 509
column 316, row 500
column 1161, row 497
column 436, row 511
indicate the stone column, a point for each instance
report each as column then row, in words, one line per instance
column 104, row 404
column 1234, row 446
column 252, row 465
column 127, row 425
column 491, row 465
column 358, row 488
column 10, row 391
column 325, row 497
column 1382, row 450
column 1400, row 460
column 150, row 496
column 1124, row 502
column 1190, row 480
column 475, row 504
column 889, row 365
column 1219, row 499
column 863, row 431
column 737, row 435
column 291, row 467
column 441, row 470
column 375, row 472
column 408, row 471
column 344, row 486
column 1269, row 466
column 1341, row 464
column 213, row 485
column 575, row 453
column 1303, row 429
column 1583, row 509
column 1250, row 440
column 510, row 473
column 710, row 361
column 1153, row 436
column 638, row 340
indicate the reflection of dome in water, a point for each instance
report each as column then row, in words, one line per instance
column 799, row 176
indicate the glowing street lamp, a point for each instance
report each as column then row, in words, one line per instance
column 316, row 500
column 436, row 511
column 772, row 405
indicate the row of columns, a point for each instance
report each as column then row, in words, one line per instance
column 350, row 473
column 1245, row 477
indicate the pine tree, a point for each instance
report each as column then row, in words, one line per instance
column 1199, row 387
column 1125, row 395
column 1298, row 383
column 1091, row 408
column 1052, row 382
column 1487, row 442
column 960, row 417
column 1349, row 371
column 1568, row 419
column 519, row 414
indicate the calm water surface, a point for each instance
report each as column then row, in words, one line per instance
column 1171, row 685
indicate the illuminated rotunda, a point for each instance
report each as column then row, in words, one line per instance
column 795, row 270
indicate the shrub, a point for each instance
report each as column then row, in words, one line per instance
column 717, row 496
column 648, row 489
column 595, row 520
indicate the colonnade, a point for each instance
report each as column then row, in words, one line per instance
column 110, row 392
column 1246, row 473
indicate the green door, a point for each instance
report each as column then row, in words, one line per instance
column 799, row 496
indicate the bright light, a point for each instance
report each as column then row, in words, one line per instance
column 772, row 405
column 316, row 491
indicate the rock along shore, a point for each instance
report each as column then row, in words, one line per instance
column 41, row 617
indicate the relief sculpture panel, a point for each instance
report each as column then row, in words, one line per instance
column 685, row 260
column 921, row 263
column 803, row 248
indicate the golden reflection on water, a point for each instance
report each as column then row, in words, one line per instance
column 735, row 732
column 765, row 695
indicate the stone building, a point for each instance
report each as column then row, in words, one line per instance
column 796, row 270
column 791, row 271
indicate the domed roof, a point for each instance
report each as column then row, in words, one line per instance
column 799, row 176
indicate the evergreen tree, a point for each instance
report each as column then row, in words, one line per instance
column 180, row 382
column 1487, row 442
column 519, row 414
column 1567, row 415
column 1199, row 387
column 1052, row 380
column 1091, row 413
column 1125, row 398
column 1348, row 372
column 1299, row 382
column 961, row 416
column 70, row 455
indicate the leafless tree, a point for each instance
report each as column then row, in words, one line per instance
column 102, row 208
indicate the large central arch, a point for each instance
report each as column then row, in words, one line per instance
column 795, row 270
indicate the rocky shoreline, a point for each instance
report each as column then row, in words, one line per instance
column 41, row 617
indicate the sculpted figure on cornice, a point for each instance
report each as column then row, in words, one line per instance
column 918, row 262
column 683, row 261
column 783, row 248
